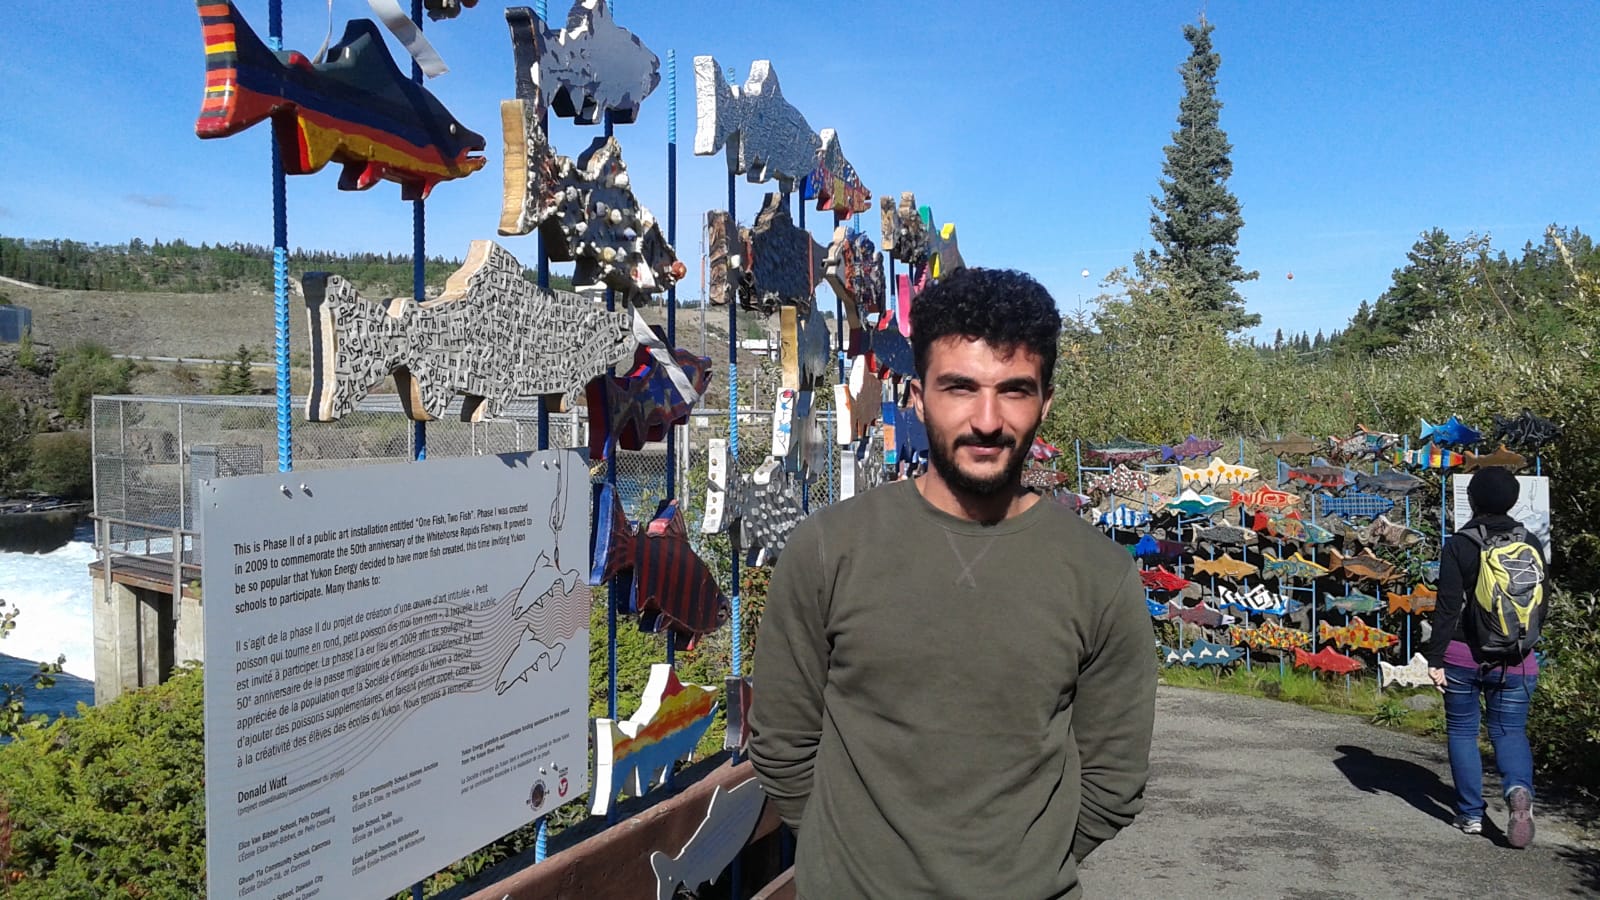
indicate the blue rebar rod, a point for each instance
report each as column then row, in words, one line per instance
column 735, row 620
column 419, row 260
column 280, row 266
column 672, row 290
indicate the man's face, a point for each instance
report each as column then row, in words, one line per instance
column 981, row 406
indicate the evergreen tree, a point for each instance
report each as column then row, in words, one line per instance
column 234, row 378
column 1196, row 220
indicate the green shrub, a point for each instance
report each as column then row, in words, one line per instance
column 16, row 443
column 112, row 803
column 1564, row 721
column 83, row 371
column 62, row 464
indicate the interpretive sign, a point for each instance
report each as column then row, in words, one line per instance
column 1532, row 508
column 396, row 667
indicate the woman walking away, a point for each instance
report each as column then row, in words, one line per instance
column 1477, row 680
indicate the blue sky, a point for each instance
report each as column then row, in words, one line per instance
column 1038, row 131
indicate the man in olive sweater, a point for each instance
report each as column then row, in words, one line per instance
column 954, row 678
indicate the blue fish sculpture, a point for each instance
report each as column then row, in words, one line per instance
column 1453, row 432
column 1147, row 546
column 1124, row 516
column 1157, row 610
column 1354, row 504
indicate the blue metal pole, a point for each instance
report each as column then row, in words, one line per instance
column 542, row 263
column 611, row 588
column 672, row 291
column 280, row 266
column 735, row 618
column 419, row 231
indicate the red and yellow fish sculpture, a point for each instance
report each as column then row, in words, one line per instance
column 1358, row 635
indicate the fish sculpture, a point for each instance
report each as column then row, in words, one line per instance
column 1256, row 600
column 1358, row 635
column 357, row 109
column 1157, row 610
column 1525, row 430
column 1201, row 615
column 1413, row 674
column 636, row 755
column 1269, row 635
column 833, row 183
column 1231, row 535
column 662, row 580
column 1224, row 566
column 853, row 269
column 1421, row 599
column 1043, row 451
column 641, row 406
column 1203, row 653
column 1192, row 448
column 1163, row 579
column 1428, row 456
column 1362, row 443
column 1293, row 445
column 1045, row 479
column 1383, row 531
column 785, row 263
column 770, row 504
column 1453, row 432
column 910, row 236
column 1321, row 476
column 1364, row 566
column 1506, row 458
column 765, row 136
column 1121, row 450
column 1123, row 516
column 1264, row 498
column 731, row 817
column 1194, row 503
column 1147, row 545
column 591, row 68
column 1291, row 527
column 1295, row 568
column 492, row 336
column 1120, row 480
column 891, row 351
column 1430, row 571
column 1353, row 603
column 1328, row 660
column 1354, row 504
column 1388, row 482
column 1217, row 474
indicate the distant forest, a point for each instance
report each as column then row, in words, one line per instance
column 180, row 267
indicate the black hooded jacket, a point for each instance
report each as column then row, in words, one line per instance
column 1458, row 578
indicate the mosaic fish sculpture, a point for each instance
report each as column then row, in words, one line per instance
column 1295, row 568
column 854, row 270
column 356, row 109
column 1291, row 527
column 1328, row 660
column 1353, row 504
column 1364, row 566
column 1353, row 602
column 593, row 66
column 1194, row 503
column 1383, row 531
column 1219, row 473
column 1120, row 480
column 1203, row 653
column 1421, row 599
column 834, row 183
column 1045, row 479
column 492, row 336
column 1525, row 430
column 1202, row 614
column 765, row 136
column 1358, row 635
column 1428, row 456
column 1121, row 450
column 905, row 238
column 1225, row 567
column 663, row 581
column 1163, row 579
column 1293, row 445
column 1192, row 448
column 1362, row 443
column 785, row 262
column 1453, row 432
column 1123, row 516
column 1502, row 456
column 769, row 500
column 1229, row 535
column 1269, row 635
column 1264, row 498
column 1320, row 475
column 1413, row 674
column 1389, row 481
column 1257, row 600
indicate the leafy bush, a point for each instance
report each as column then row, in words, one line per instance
column 62, row 464
column 112, row 803
column 83, row 371
column 1564, row 720
column 16, row 443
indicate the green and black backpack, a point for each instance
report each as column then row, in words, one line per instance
column 1510, row 605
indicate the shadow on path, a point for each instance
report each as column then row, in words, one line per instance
column 1415, row 784
column 1585, row 861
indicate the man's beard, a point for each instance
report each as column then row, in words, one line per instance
column 944, row 462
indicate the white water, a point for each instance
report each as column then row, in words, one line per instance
column 52, row 592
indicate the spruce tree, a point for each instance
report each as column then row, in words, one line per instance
column 1196, row 220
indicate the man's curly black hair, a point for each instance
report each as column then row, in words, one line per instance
column 1004, row 308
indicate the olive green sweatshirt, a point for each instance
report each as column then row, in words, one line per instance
column 947, row 709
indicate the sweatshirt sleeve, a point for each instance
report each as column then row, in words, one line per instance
column 1453, row 582
column 1113, row 717
column 791, row 669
